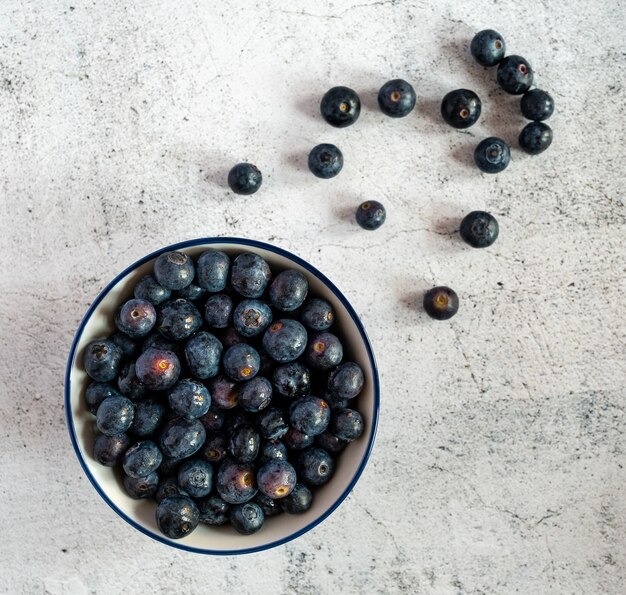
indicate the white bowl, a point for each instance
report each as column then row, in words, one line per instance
column 98, row 323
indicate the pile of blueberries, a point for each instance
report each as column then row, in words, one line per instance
column 224, row 393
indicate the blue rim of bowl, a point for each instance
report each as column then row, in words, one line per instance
column 311, row 269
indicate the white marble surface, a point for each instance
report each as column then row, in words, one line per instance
column 499, row 463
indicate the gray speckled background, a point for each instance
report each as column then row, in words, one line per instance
column 499, row 463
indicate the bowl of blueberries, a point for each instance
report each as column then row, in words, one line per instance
column 222, row 396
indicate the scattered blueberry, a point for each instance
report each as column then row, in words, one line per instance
column 203, row 353
column 441, row 303
column 174, row 270
column 479, row 229
column 213, row 510
column 340, row 107
column 251, row 317
column 235, row 482
column 250, row 275
column 325, row 161
column 535, row 137
column 149, row 414
column 115, row 415
column 298, row 501
column 101, row 360
column 515, row 76
column 292, row 380
column 285, row 340
column 148, row 288
column 347, row 424
column 218, row 310
column 245, row 178
column 136, row 318
column 537, row 105
column 196, row 478
column 324, row 351
column 246, row 518
column 212, row 270
column 177, row 516
column 182, row 437
column 371, row 215
column 158, row 369
column 109, row 450
column 346, row 381
column 309, row 415
column 315, row 466
column 142, row 459
column 461, row 108
column 276, row 479
column 178, row 319
column 317, row 314
column 141, row 487
column 255, row 394
column 288, row 290
column 488, row 47
column 492, row 155
column 396, row 98
column 189, row 398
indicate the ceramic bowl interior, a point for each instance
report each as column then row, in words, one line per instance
column 98, row 323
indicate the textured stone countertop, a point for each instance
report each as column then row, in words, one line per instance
column 499, row 462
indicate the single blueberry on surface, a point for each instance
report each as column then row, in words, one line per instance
column 479, row 229
column 203, row 353
column 246, row 518
column 235, row 482
column 213, row 510
column 245, row 178
column 212, row 270
column 288, row 290
column 115, row 415
column 347, row 424
column 441, row 303
column 181, row 437
column 276, row 479
column 178, row 319
column 149, row 414
column 177, row 516
column 309, row 415
column 272, row 423
column 101, row 360
column 136, row 318
column 174, row 270
column 218, row 310
column 141, row 459
column 189, row 398
column 196, row 478
column 129, row 384
column 340, row 107
column 224, row 392
column 251, row 317
column 96, row 393
column 492, row 155
column 241, row 362
column 317, row 314
column 461, row 108
column 371, row 214
column 535, row 138
column 148, row 288
column 109, row 450
column 515, row 75
column 292, row 380
column 488, row 47
column 250, row 275
column 141, row 487
column 537, row 105
column 396, row 98
column 315, row 466
column 157, row 369
column 168, row 486
column 324, row 351
column 325, row 161
column 244, row 444
column 255, row 394
column 298, row 501
column 346, row 381
column 285, row 340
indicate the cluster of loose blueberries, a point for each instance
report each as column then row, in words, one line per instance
column 224, row 393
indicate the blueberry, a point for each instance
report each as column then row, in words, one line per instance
column 129, row 347
column 224, row 392
column 255, row 394
column 335, row 402
column 115, row 415
column 244, row 444
column 239, row 418
column 174, row 270
column 109, row 450
column 492, row 155
column 158, row 369
column 324, row 351
column 231, row 337
column 177, row 516
column 441, row 303
column 141, row 487
column 148, row 288
column 217, row 310
column 101, row 360
column 537, row 105
column 371, row 215
column 213, row 419
column 347, row 424
column 215, row 448
column 250, row 275
column 330, row 443
column 488, row 47
column 325, row 161
column 288, row 290
column 246, row 518
column 192, row 292
column 292, row 380
column 515, row 76
column 285, row 340
column 245, row 178
column 235, row 482
column 149, row 414
column 298, row 501
column 309, row 415
column 535, row 138
column 396, row 98
column 317, row 314
column 203, row 353
column 196, row 478
column 276, row 479
column 346, row 381
column 212, row 270
column 182, row 437
column 178, row 319
column 461, row 108
column 168, row 486
column 315, row 466
column 272, row 450
column 128, row 382
column 189, row 398
column 295, row 440
column 158, row 341
column 241, row 362
column 251, row 317
column 479, row 229
column 340, row 107
column 136, row 318
column 213, row 510
column 269, row 506
column 96, row 393
column 170, row 464
column 272, row 424
column 142, row 459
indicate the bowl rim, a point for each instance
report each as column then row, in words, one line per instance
column 253, row 244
